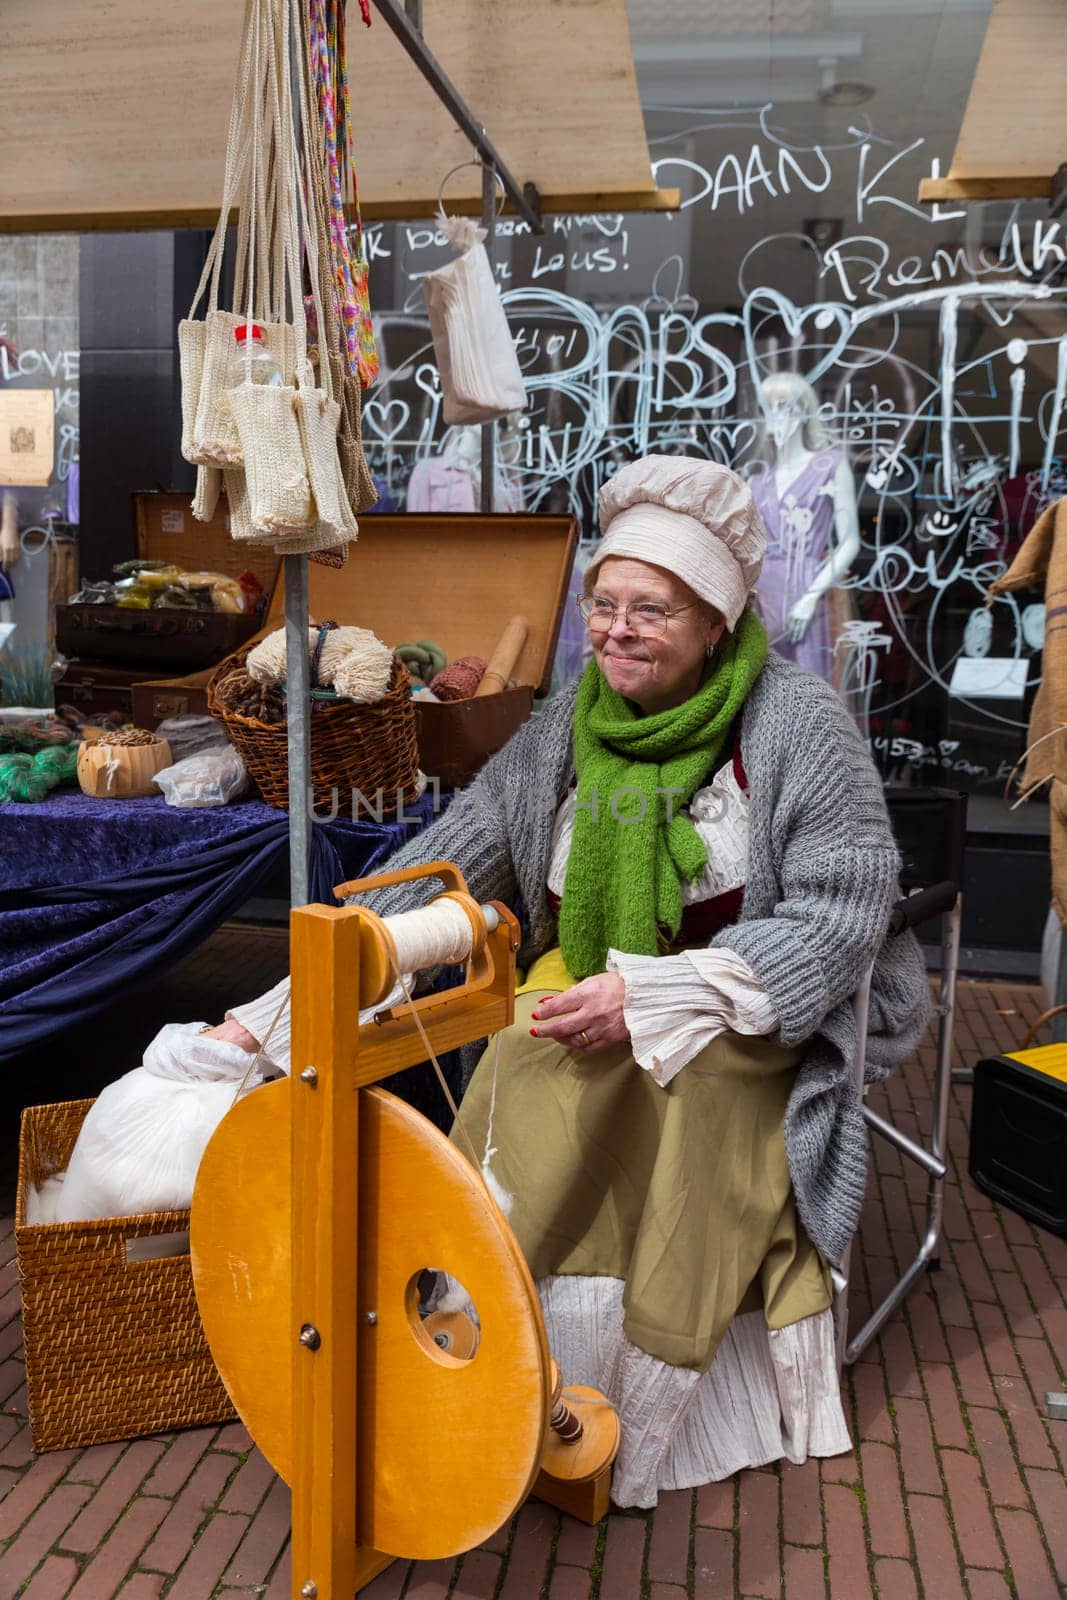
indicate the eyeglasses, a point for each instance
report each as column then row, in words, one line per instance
column 646, row 617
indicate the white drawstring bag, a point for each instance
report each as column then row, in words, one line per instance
column 140, row 1145
column 480, row 376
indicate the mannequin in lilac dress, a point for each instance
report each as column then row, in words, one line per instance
column 808, row 504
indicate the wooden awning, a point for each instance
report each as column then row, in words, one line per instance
column 113, row 112
column 1014, row 133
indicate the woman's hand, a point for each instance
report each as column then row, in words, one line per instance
column 585, row 1017
column 233, row 1033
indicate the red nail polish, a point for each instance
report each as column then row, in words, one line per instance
column 534, row 1033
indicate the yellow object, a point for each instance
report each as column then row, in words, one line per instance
column 226, row 593
column 135, row 598
column 160, row 578
column 548, row 972
column 120, row 771
column 1051, row 1059
column 319, row 1202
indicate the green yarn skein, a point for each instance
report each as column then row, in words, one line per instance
column 59, row 760
column 423, row 660
column 28, row 778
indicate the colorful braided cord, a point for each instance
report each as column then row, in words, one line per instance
column 350, row 268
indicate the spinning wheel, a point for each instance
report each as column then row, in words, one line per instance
column 318, row 1203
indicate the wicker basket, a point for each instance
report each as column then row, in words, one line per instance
column 356, row 751
column 114, row 1346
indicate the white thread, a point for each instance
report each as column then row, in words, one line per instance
column 503, row 1199
column 436, row 935
column 111, row 767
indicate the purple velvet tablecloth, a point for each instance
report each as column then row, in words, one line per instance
column 100, row 894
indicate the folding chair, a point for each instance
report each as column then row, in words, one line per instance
column 931, row 830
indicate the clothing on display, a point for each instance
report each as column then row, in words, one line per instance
column 573, row 648
column 438, row 484
column 387, row 501
column 441, row 484
column 73, row 493
column 800, row 528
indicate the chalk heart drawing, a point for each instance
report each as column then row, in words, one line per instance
column 740, row 437
column 826, row 324
column 379, row 417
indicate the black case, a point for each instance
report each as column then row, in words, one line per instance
column 1019, row 1135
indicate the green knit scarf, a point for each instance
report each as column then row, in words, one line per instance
column 631, row 848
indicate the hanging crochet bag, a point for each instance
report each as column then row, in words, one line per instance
column 480, row 376
column 318, row 414
column 208, row 348
column 280, row 505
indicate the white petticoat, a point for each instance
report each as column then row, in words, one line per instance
column 768, row 1394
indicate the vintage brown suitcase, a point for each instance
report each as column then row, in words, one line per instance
column 95, row 688
column 171, row 697
column 166, row 530
column 455, row 580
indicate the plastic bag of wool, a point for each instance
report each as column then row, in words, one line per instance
column 140, row 1145
column 212, row 778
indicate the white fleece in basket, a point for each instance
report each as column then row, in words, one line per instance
column 140, row 1145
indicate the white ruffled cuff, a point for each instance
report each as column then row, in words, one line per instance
column 257, row 1016
column 676, row 1005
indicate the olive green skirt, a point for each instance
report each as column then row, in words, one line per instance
column 682, row 1192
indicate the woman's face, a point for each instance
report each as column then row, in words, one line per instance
column 654, row 670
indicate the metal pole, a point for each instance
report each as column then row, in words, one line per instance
column 488, row 428
column 298, row 671
column 298, row 706
column 525, row 200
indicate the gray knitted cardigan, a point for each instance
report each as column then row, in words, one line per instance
column 821, row 879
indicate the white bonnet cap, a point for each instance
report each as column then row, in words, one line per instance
column 694, row 518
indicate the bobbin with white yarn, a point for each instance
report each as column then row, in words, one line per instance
column 437, row 935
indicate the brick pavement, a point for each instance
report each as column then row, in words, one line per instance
column 955, row 1489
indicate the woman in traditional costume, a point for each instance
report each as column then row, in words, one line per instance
column 699, row 845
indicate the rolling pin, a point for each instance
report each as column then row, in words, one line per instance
column 502, row 661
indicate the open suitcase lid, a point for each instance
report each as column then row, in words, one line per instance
column 452, row 579
column 166, row 530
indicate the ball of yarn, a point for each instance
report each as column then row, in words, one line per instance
column 423, row 660
column 459, row 679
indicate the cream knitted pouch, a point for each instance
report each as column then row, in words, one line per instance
column 318, row 418
column 208, row 489
column 279, row 493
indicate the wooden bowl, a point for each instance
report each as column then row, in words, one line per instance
column 121, row 771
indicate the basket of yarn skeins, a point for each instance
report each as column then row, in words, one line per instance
column 362, row 721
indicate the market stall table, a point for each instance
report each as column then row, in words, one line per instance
column 100, row 895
